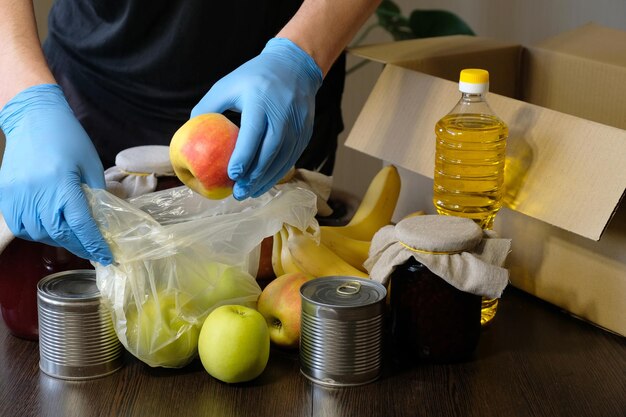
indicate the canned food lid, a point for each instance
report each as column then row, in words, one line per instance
column 76, row 285
column 343, row 291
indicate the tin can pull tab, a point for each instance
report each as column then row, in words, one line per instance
column 349, row 288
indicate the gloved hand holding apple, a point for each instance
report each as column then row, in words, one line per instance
column 275, row 94
column 200, row 151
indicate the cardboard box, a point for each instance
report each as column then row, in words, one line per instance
column 565, row 103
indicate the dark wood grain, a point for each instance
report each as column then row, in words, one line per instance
column 534, row 360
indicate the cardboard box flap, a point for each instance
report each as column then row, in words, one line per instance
column 572, row 172
column 446, row 56
column 416, row 49
column 581, row 72
column 591, row 41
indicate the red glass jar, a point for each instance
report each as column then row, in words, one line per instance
column 22, row 265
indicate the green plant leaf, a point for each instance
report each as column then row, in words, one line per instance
column 420, row 24
column 388, row 13
column 430, row 23
column 391, row 19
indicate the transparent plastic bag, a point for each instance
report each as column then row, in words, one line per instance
column 179, row 255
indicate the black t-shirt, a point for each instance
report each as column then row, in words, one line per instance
column 144, row 64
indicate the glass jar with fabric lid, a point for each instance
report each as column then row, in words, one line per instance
column 140, row 170
column 436, row 269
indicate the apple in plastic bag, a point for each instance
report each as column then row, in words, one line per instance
column 211, row 284
column 159, row 335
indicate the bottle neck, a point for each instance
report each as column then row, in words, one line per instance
column 472, row 103
column 473, row 97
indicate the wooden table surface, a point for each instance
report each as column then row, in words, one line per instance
column 534, row 360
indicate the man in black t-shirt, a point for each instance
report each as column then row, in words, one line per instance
column 134, row 71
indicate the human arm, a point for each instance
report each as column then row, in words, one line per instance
column 323, row 28
column 275, row 91
column 48, row 154
column 22, row 62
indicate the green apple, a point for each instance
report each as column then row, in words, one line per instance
column 234, row 343
column 280, row 303
column 158, row 334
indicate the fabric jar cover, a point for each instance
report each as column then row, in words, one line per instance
column 136, row 170
column 454, row 248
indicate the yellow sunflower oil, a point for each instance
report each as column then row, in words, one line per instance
column 469, row 160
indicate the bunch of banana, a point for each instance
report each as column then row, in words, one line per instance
column 341, row 250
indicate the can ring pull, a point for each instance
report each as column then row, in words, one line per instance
column 349, row 288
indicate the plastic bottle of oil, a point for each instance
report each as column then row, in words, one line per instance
column 469, row 160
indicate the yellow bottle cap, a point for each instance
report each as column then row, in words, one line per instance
column 474, row 81
column 474, row 76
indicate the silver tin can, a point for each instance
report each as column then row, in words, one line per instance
column 76, row 335
column 341, row 338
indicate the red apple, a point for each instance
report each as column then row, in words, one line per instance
column 280, row 304
column 200, row 151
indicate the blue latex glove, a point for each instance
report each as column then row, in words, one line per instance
column 275, row 94
column 48, row 156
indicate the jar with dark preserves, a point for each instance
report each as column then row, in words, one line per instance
column 437, row 269
column 429, row 318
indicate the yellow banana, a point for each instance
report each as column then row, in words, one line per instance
column 414, row 213
column 353, row 251
column 377, row 206
column 317, row 259
column 276, row 249
column 286, row 258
